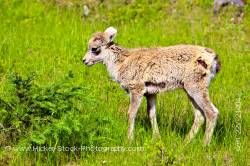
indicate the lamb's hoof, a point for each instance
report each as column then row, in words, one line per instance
column 130, row 140
column 156, row 137
column 187, row 141
column 206, row 143
column 188, row 138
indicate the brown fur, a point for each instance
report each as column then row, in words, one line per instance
column 175, row 66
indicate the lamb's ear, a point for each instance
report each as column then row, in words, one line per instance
column 110, row 33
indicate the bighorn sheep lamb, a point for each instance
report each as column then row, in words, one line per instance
column 148, row 71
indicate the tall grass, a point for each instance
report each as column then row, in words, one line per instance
column 40, row 37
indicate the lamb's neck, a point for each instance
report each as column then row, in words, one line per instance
column 115, row 56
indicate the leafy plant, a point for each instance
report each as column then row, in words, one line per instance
column 61, row 114
column 34, row 107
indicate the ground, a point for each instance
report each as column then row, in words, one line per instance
column 49, row 39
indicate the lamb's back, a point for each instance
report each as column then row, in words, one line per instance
column 162, row 63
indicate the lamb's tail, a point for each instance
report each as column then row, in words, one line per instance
column 215, row 68
column 214, row 61
column 216, row 65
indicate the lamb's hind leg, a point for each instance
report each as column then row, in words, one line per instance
column 151, row 109
column 198, row 121
column 201, row 97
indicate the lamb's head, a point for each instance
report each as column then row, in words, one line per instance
column 97, row 46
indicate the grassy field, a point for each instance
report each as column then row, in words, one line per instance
column 48, row 98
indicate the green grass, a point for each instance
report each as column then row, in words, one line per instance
column 51, row 41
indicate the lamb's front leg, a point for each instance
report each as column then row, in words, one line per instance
column 135, row 100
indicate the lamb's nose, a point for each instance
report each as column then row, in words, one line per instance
column 84, row 61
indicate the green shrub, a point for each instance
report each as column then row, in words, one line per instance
column 61, row 114
column 35, row 109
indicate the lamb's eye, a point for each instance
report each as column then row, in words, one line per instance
column 96, row 50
